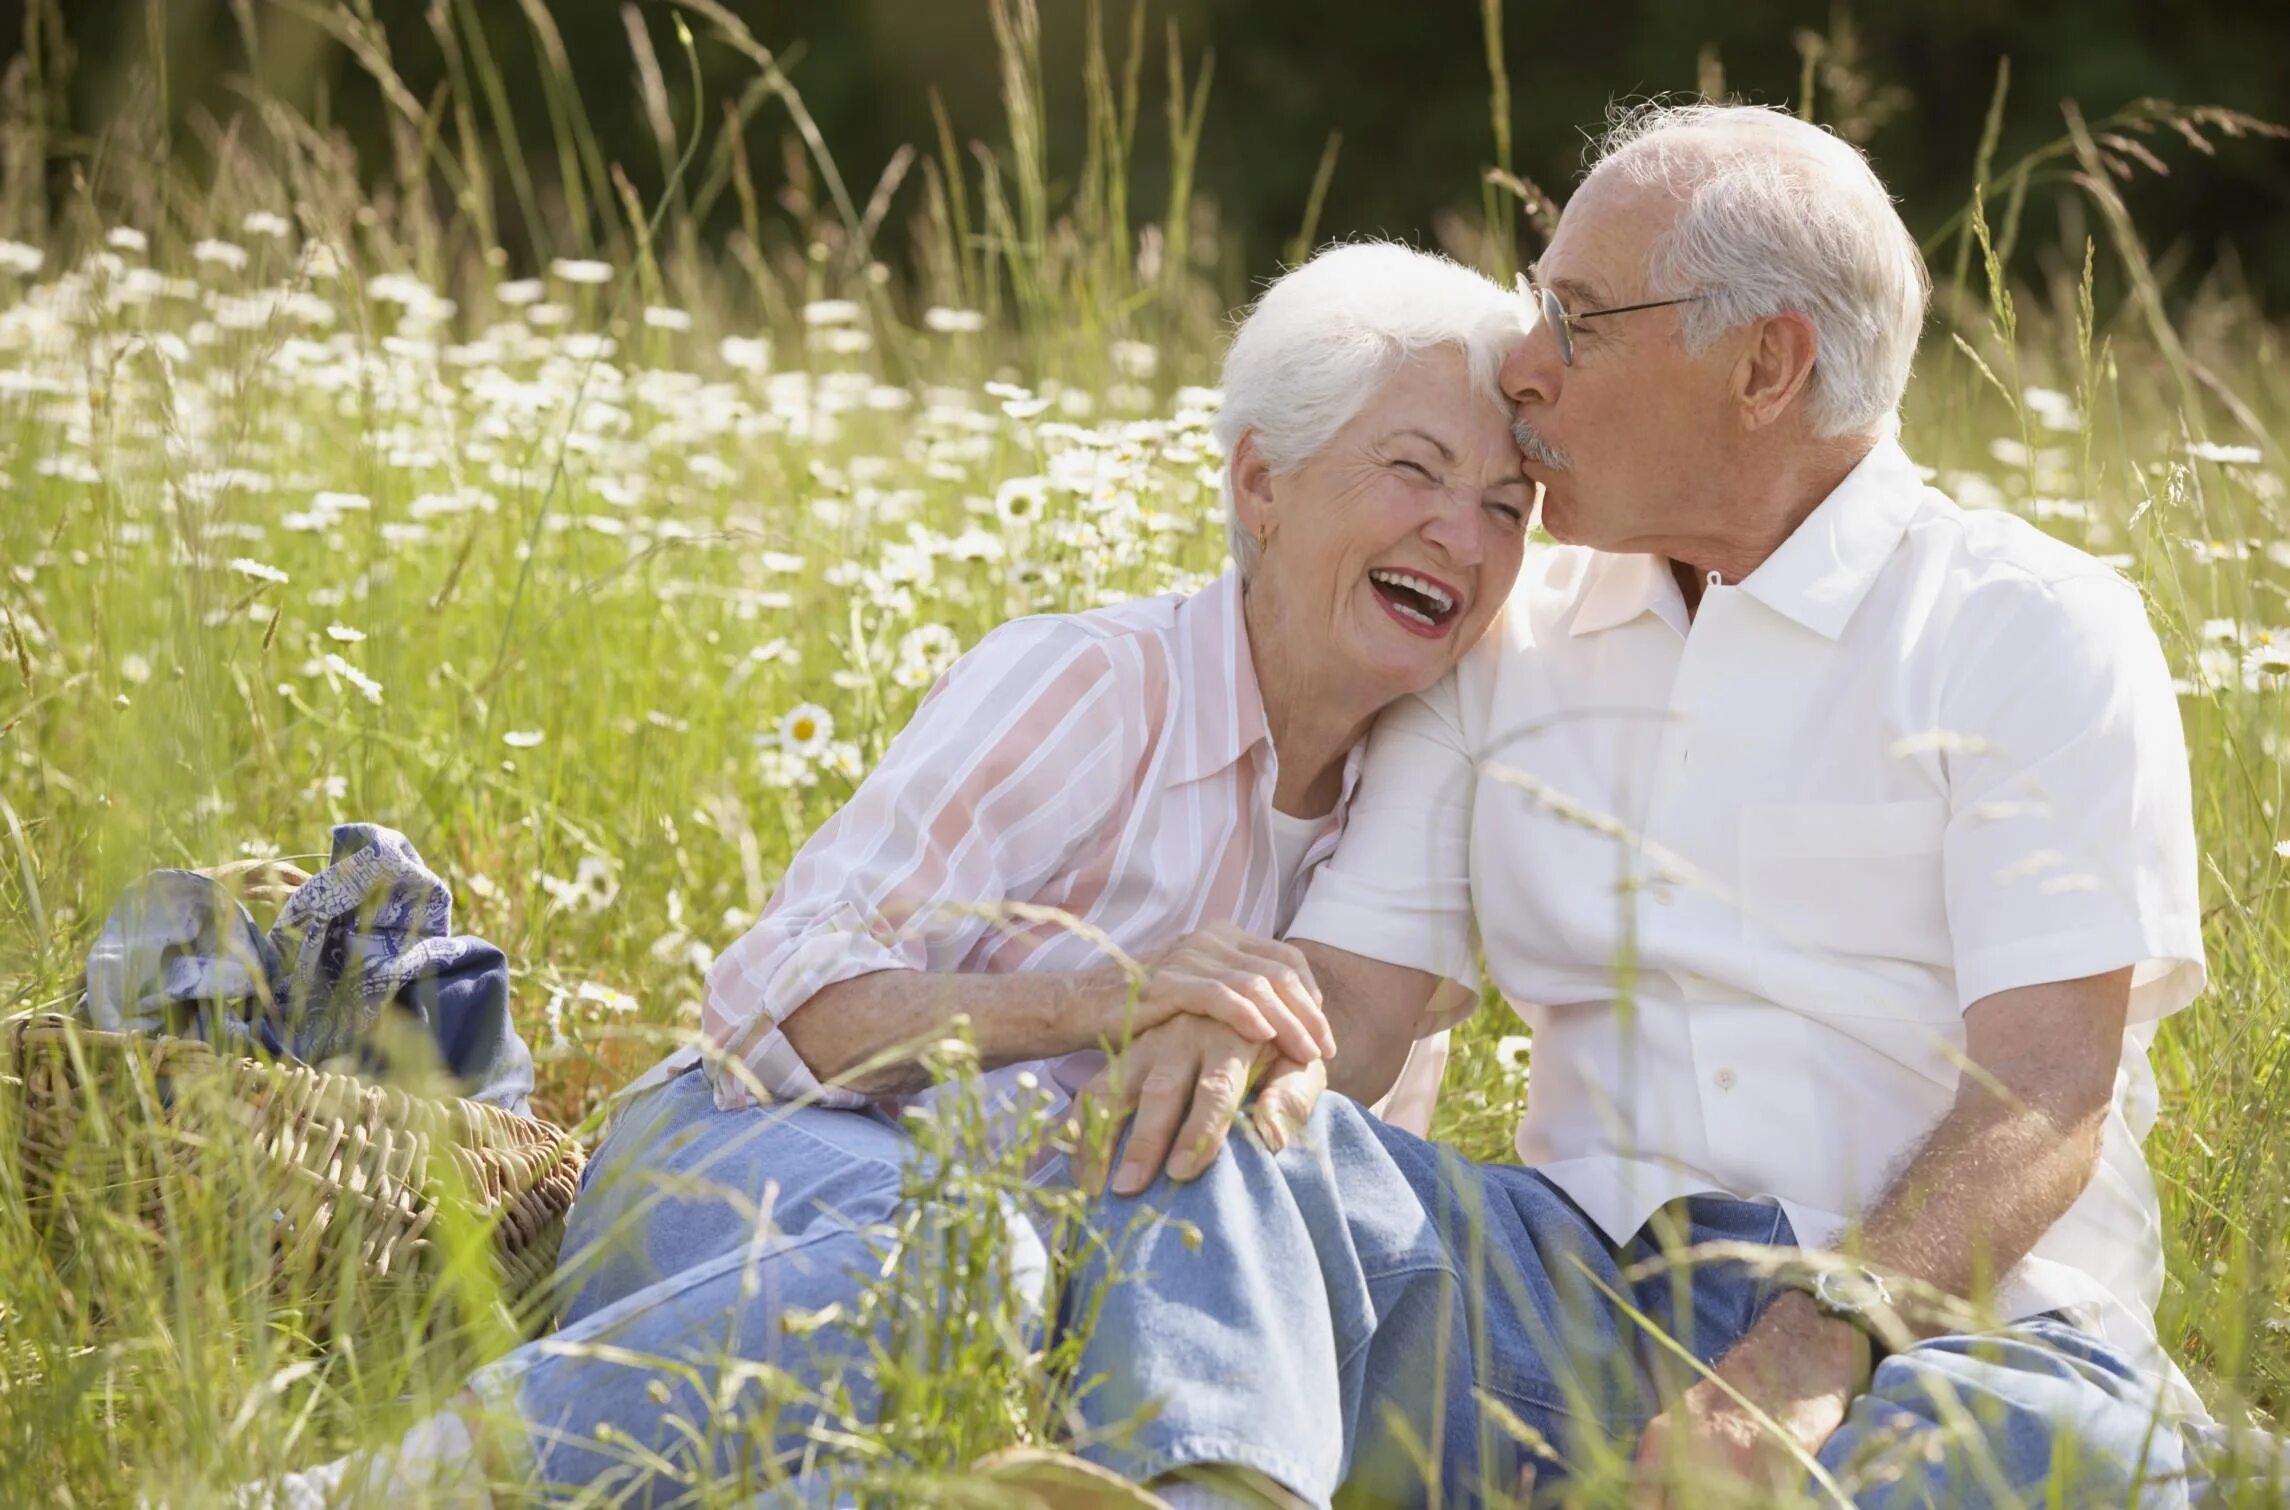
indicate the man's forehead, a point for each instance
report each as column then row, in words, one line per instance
column 1602, row 240
column 1572, row 290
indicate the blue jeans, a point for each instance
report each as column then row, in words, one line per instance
column 697, row 1235
column 1366, row 1311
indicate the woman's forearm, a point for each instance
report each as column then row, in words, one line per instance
column 868, row 1033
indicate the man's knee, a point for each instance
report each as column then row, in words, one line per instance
column 2024, row 1409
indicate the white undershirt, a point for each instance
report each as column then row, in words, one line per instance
column 1291, row 838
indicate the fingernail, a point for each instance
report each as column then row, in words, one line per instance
column 1270, row 1130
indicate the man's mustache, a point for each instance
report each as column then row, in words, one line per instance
column 1536, row 449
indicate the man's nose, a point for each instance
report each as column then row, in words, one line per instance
column 1531, row 370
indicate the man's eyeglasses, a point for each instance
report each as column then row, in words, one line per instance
column 1562, row 323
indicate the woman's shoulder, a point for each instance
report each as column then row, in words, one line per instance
column 1123, row 648
column 1126, row 618
column 1134, row 633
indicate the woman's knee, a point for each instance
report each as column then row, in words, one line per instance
column 683, row 1182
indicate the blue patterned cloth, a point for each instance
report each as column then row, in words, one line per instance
column 370, row 935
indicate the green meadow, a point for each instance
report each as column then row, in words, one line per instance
column 606, row 574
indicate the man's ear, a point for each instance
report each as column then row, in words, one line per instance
column 1775, row 368
column 1251, row 485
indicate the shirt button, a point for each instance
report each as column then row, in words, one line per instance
column 1725, row 1080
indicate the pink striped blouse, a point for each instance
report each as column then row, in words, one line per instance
column 1115, row 765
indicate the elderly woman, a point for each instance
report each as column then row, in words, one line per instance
column 1157, row 778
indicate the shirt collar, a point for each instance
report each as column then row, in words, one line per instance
column 1220, row 704
column 1828, row 564
column 1325, row 845
column 1618, row 588
column 1818, row 576
column 1220, row 707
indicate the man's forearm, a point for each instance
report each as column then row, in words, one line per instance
column 1989, row 1182
column 1374, row 1010
column 2012, row 1154
column 868, row 1034
column 2018, row 1146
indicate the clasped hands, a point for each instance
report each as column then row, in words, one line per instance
column 1221, row 1010
column 1214, row 1013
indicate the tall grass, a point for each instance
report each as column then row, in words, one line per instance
column 322, row 504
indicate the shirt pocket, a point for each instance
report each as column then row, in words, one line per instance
column 1844, row 905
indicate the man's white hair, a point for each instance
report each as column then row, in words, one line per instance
column 1326, row 336
column 1780, row 215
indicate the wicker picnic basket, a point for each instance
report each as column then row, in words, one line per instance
column 351, row 1176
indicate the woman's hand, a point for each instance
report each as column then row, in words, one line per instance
column 1259, row 988
column 1184, row 1082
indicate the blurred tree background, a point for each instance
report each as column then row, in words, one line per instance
column 1398, row 93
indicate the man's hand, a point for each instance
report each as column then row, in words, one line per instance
column 1259, row 988
column 1184, row 1082
column 1798, row 1367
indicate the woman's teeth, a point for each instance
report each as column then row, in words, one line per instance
column 1417, row 598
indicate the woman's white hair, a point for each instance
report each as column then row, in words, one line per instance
column 1780, row 215
column 1326, row 336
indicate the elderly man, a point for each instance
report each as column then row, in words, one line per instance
column 1836, row 845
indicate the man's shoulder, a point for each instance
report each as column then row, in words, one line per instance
column 1552, row 573
column 2005, row 587
column 1991, row 546
column 1552, row 579
column 1996, row 564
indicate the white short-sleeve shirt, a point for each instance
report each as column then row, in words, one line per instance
column 1743, row 874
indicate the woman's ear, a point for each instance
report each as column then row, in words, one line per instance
column 1251, row 486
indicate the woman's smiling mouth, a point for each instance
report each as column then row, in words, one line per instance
column 1419, row 604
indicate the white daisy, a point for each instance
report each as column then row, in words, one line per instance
column 953, row 322
column 1020, row 499
column 212, row 253
column 247, row 566
column 367, row 687
column 806, row 730
column 924, row 653
column 821, row 312
column 581, row 270
column 745, row 353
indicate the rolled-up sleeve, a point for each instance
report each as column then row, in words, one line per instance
column 1398, row 888
column 2070, row 847
column 1021, row 754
